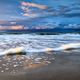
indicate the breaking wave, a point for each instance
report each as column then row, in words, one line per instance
column 40, row 43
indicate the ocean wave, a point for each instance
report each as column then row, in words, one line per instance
column 39, row 43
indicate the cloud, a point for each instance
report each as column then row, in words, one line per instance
column 17, row 27
column 33, row 10
column 30, row 15
column 34, row 5
column 3, row 22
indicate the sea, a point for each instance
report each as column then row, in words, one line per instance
column 36, row 42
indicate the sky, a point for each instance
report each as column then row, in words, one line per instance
column 16, row 9
column 10, row 9
column 39, row 14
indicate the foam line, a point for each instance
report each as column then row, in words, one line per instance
column 12, row 51
column 22, row 49
column 60, row 48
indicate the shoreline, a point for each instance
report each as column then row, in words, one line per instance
column 63, row 67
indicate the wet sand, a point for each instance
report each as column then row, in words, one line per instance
column 63, row 67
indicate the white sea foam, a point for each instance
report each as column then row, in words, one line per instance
column 39, row 43
column 60, row 48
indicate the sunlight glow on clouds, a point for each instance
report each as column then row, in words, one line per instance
column 31, row 15
column 34, row 5
column 17, row 27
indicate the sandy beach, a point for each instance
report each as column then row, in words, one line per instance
column 65, row 66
